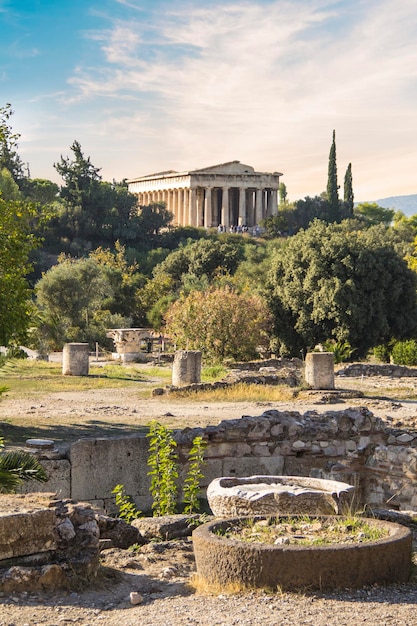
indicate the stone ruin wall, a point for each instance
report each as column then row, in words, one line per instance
column 46, row 543
column 352, row 445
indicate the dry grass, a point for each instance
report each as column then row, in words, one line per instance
column 204, row 587
column 241, row 392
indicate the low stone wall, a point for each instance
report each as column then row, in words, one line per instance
column 352, row 445
column 368, row 369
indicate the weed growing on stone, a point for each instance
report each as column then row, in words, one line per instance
column 125, row 504
column 163, row 465
column 194, row 475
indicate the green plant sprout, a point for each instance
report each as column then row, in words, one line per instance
column 125, row 504
column 194, row 475
column 162, row 461
column 163, row 464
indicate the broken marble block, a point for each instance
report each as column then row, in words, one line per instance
column 278, row 495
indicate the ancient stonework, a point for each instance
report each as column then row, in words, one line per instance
column 46, row 543
column 277, row 495
column 228, row 195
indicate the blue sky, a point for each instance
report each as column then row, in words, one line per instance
column 151, row 85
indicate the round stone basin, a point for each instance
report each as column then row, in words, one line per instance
column 224, row 562
column 278, row 495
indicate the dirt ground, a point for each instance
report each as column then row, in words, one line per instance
column 160, row 572
column 68, row 415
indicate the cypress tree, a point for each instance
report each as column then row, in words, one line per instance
column 348, row 192
column 332, row 187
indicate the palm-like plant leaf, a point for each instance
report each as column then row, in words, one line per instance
column 17, row 466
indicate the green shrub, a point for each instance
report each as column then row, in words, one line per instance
column 382, row 353
column 342, row 350
column 405, row 352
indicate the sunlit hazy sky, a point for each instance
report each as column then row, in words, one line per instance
column 151, row 85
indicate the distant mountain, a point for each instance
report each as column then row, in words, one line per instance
column 405, row 204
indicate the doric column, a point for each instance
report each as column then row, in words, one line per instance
column 208, row 213
column 258, row 206
column 225, row 207
column 175, row 205
column 179, row 207
column 274, row 194
column 200, row 207
column 186, row 210
column 169, row 200
column 192, row 209
column 242, row 206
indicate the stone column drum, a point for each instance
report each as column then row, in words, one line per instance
column 319, row 370
column 186, row 368
column 75, row 359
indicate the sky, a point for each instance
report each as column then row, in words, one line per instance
column 151, row 85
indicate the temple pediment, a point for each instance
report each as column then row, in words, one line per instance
column 232, row 167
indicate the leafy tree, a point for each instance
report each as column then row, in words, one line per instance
column 203, row 257
column 81, row 177
column 348, row 192
column 70, row 297
column 282, row 190
column 99, row 213
column 332, row 186
column 154, row 218
column 9, row 157
column 124, row 280
column 292, row 217
column 16, row 243
column 327, row 285
column 406, row 227
column 40, row 190
column 309, row 209
column 194, row 266
column 371, row 213
column 8, row 188
column 221, row 323
column 251, row 274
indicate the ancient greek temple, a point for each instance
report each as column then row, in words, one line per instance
column 230, row 194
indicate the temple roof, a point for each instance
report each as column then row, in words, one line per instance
column 230, row 167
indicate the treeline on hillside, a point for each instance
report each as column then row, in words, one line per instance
column 84, row 257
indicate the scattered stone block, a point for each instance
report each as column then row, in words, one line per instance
column 277, row 495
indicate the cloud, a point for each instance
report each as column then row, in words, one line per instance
column 264, row 82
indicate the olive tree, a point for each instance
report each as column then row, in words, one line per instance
column 221, row 323
column 327, row 283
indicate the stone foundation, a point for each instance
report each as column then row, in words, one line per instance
column 46, row 543
column 351, row 446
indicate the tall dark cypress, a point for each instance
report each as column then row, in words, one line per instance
column 348, row 192
column 332, row 188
